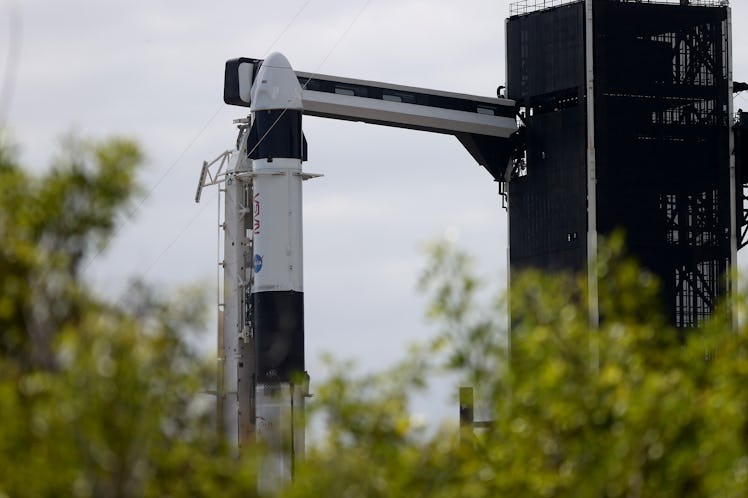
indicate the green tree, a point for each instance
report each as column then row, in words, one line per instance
column 103, row 399
column 630, row 409
column 48, row 224
column 96, row 398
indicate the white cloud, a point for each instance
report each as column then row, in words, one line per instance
column 154, row 69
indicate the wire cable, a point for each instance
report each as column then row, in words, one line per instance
column 259, row 142
column 316, row 71
column 341, row 37
column 123, row 293
column 180, row 234
column 166, row 173
column 130, row 215
column 283, row 32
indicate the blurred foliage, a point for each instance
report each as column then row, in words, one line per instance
column 101, row 399
column 97, row 399
column 633, row 408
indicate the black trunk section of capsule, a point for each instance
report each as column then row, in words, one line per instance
column 279, row 335
column 276, row 134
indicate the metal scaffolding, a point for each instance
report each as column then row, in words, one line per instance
column 663, row 170
column 521, row 7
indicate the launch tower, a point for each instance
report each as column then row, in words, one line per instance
column 628, row 108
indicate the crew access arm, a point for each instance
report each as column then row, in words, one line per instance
column 485, row 126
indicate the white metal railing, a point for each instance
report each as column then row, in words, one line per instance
column 526, row 6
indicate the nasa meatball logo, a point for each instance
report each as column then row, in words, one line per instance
column 258, row 263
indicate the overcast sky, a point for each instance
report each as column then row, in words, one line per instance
column 153, row 70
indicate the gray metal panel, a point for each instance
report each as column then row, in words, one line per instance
column 546, row 51
column 549, row 204
column 546, row 75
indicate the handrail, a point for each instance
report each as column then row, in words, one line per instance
column 521, row 7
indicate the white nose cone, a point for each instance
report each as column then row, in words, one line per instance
column 276, row 86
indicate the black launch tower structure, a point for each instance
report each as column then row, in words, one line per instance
column 629, row 125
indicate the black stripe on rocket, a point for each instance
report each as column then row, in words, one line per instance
column 277, row 316
column 281, row 129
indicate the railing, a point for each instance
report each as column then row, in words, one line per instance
column 526, row 6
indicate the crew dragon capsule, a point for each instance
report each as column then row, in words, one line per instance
column 276, row 147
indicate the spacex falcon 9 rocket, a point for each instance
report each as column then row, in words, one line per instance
column 262, row 383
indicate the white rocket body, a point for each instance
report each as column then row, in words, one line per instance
column 277, row 226
column 275, row 146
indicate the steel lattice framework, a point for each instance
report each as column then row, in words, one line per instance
column 661, row 160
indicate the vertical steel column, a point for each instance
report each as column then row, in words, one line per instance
column 247, row 364
column 592, row 276
column 732, row 271
column 234, row 285
column 592, row 284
